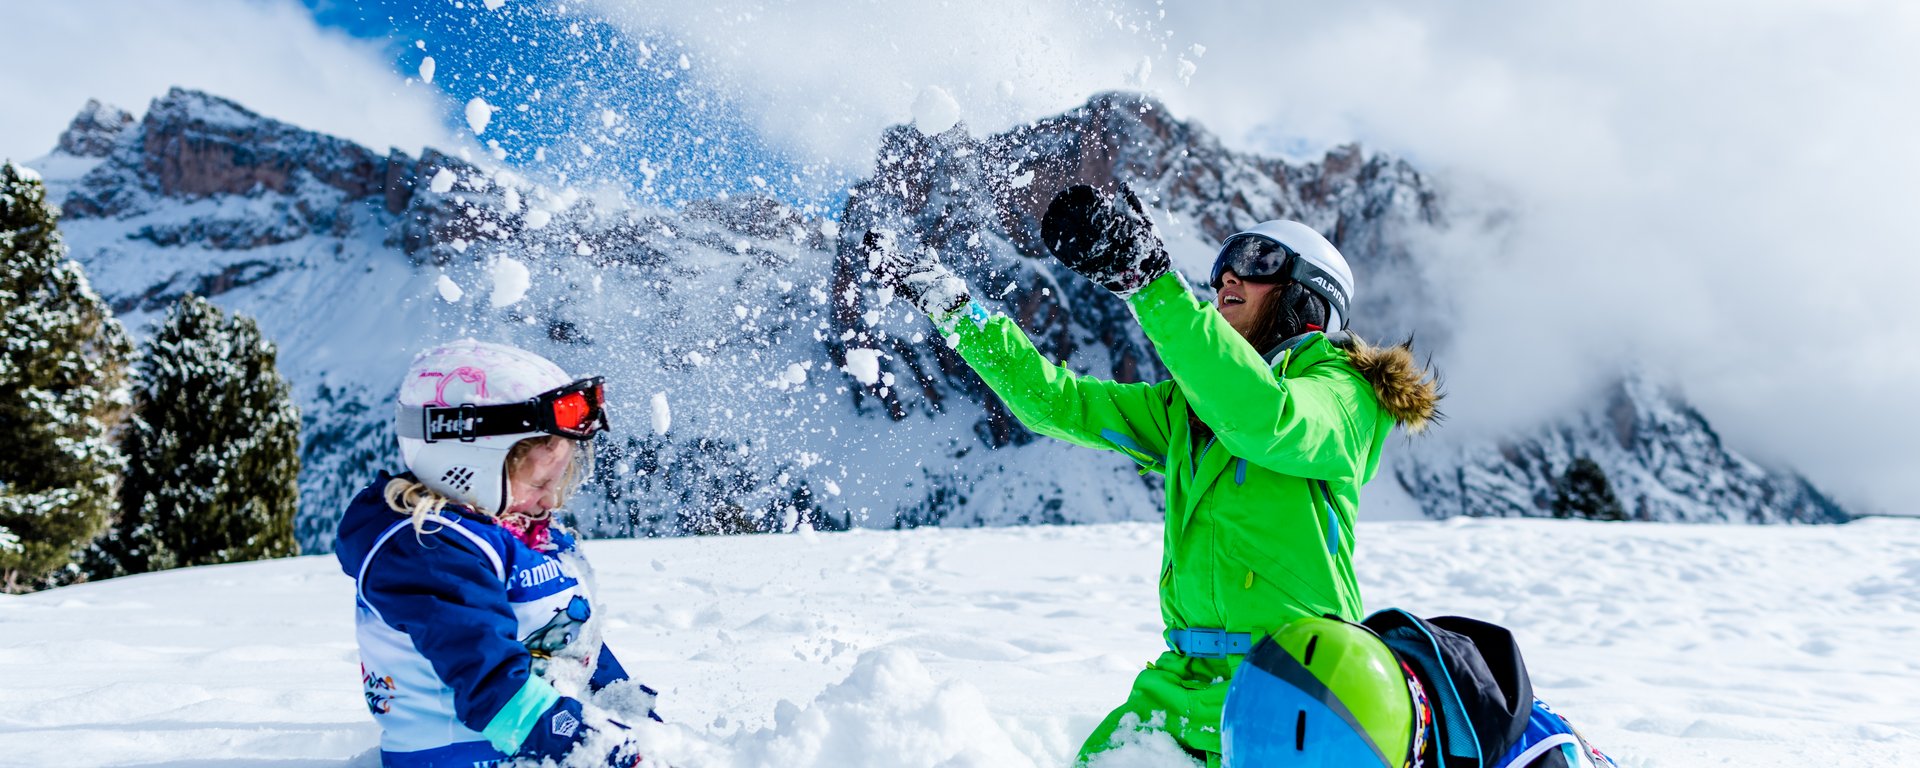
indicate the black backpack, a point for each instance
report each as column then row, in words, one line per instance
column 1476, row 682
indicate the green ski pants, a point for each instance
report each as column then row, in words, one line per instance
column 1176, row 695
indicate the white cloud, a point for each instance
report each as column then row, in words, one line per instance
column 266, row 54
column 1716, row 190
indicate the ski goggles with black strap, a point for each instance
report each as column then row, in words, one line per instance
column 1261, row 259
column 1255, row 259
column 577, row 411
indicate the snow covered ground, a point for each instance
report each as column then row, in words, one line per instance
column 1669, row 645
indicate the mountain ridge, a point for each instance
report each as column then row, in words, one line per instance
column 748, row 305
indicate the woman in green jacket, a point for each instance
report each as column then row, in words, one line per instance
column 1274, row 418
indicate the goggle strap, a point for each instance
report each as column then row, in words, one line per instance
column 467, row 423
column 1321, row 282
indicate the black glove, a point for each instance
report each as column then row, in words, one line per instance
column 568, row 727
column 559, row 730
column 915, row 275
column 1109, row 240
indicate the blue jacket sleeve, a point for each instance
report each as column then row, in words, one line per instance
column 607, row 670
column 445, row 595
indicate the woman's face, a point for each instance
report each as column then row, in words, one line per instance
column 1240, row 301
column 536, row 485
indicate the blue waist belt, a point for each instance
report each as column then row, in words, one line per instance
column 1209, row 643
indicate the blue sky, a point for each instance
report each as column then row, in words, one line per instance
column 578, row 97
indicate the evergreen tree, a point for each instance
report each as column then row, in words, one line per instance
column 213, row 452
column 1584, row 492
column 63, row 394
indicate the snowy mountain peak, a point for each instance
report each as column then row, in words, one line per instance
column 1657, row 456
column 95, row 131
column 193, row 146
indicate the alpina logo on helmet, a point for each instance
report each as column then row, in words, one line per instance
column 1329, row 287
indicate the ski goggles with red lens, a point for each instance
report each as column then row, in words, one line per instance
column 1254, row 258
column 577, row 410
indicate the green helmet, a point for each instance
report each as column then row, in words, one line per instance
column 1322, row 691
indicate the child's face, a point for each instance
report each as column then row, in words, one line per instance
column 536, row 485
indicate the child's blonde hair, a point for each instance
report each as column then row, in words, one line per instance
column 414, row 499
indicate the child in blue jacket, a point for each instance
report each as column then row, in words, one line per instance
column 478, row 640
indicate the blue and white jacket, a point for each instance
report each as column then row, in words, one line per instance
column 467, row 635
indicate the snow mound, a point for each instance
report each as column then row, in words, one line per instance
column 890, row 711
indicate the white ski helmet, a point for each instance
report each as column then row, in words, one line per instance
column 463, row 405
column 1288, row 251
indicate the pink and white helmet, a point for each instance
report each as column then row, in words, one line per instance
column 464, row 404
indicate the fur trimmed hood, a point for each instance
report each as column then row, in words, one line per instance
column 1407, row 390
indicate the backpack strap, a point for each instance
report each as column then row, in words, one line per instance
column 1473, row 673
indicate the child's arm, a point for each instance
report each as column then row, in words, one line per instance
column 442, row 591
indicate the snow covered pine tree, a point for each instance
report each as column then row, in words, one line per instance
column 63, row 362
column 213, row 451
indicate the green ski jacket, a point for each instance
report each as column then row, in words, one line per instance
column 1260, row 518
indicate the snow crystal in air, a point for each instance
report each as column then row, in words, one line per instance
column 864, row 364
column 608, row 118
column 934, row 110
column 493, row 5
column 795, row 375
column 479, row 113
column 1021, row 181
column 510, row 281
column 537, row 218
column 662, row 416
column 442, row 182
column 1187, row 68
column 426, row 69
column 449, row 290
column 1142, row 72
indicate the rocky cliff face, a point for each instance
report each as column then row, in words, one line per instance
column 741, row 313
column 1660, row 458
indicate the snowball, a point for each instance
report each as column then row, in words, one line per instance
column 608, row 118
column 449, row 291
column 662, row 416
column 537, row 218
column 442, row 182
column 935, row 111
column 479, row 113
column 864, row 364
column 510, row 281
column 795, row 375
column 426, row 69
